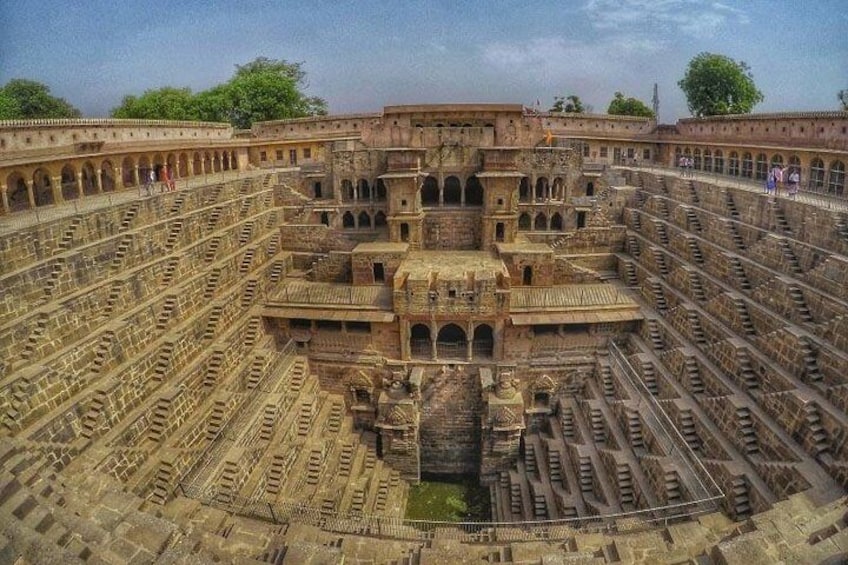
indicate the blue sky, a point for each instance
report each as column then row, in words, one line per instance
column 363, row 55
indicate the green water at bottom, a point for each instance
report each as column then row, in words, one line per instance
column 449, row 498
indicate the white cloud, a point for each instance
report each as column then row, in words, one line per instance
column 696, row 18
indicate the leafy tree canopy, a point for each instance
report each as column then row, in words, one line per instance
column 842, row 95
column 22, row 99
column 570, row 104
column 163, row 104
column 717, row 85
column 621, row 106
column 263, row 89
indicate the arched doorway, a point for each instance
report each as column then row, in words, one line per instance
column 483, row 344
column 430, row 192
column 70, row 190
column 420, row 342
column 128, row 171
column 380, row 219
column 451, row 343
column 380, row 190
column 364, row 190
column 453, row 191
column 404, row 232
column 524, row 221
column 42, row 189
column 499, row 231
column 540, row 223
column 17, row 192
column 524, row 190
column 89, row 182
column 556, row 222
column 347, row 220
column 107, row 176
column 541, row 188
column 364, row 221
column 473, row 191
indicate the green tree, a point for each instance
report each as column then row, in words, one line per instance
column 842, row 95
column 163, row 104
column 22, row 99
column 621, row 106
column 263, row 89
column 268, row 89
column 716, row 85
column 570, row 104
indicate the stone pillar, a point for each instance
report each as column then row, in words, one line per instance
column 469, row 342
column 79, row 186
column 434, row 336
column 30, row 193
column 135, row 175
column 4, row 196
column 56, row 186
column 119, row 178
column 461, row 195
column 98, row 178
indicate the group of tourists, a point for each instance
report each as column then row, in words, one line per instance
column 167, row 182
column 777, row 176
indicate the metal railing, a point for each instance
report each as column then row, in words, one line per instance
column 811, row 193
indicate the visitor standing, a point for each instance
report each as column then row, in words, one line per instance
column 151, row 180
column 777, row 174
column 794, row 181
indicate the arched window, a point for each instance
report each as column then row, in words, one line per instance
column 556, row 222
column 364, row 221
column 451, row 343
column 347, row 190
column 17, row 192
column 420, row 342
column 541, row 188
column 558, row 190
column 708, row 160
column 364, row 190
column 817, row 174
column 453, row 190
column 348, row 221
column 325, row 218
column 379, row 219
column 430, row 192
column 197, row 165
column 473, row 191
column 762, row 167
column 541, row 222
column 524, row 190
column 697, row 159
column 747, row 165
column 483, row 344
column 733, row 164
column 527, row 276
column 718, row 162
column 41, row 188
column 524, row 221
column 836, row 178
column 776, row 159
column 590, row 188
